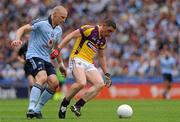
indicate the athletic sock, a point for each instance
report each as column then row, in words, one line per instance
column 65, row 102
column 45, row 96
column 80, row 103
column 34, row 96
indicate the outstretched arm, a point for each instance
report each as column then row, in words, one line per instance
column 22, row 30
column 103, row 63
column 19, row 33
column 68, row 38
column 56, row 52
column 102, row 60
column 75, row 34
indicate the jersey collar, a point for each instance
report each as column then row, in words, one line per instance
column 50, row 22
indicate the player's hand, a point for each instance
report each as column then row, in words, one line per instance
column 54, row 54
column 63, row 70
column 16, row 43
column 108, row 81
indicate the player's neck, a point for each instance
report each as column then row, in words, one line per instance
column 52, row 22
column 100, row 31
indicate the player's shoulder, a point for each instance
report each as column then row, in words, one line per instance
column 39, row 20
column 58, row 29
column 86, row 27
column 173, row 59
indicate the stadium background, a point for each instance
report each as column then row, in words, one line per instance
column 133, row 51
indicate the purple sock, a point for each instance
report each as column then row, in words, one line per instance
column 80, row 103
column 65, row 102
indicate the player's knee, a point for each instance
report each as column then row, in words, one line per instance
column 53, row 84
column 99, row 85
column 81, row 84
column 53, row 87
column 41, row 79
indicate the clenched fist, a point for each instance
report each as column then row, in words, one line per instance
column 16, row 43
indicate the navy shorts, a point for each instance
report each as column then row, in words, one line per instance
column 167, row 77
column 35, row 64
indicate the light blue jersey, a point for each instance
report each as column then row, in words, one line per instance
column 42, row 39
column 167, row 65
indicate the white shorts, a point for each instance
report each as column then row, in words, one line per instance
column 79, row 62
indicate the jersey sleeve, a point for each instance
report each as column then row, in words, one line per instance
column 103, row 44
column 36, row 24
column 102, row 47
column 86, row 30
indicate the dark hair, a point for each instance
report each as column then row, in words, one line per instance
column 110, row 23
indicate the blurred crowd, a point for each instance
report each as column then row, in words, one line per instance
column 145, row 30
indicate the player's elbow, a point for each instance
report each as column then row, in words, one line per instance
column 25, row 28
column 75, row 34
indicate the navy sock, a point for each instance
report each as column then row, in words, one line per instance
column 80, row 103
column 65, row 102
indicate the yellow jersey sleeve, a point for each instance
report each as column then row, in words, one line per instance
column 86, row 30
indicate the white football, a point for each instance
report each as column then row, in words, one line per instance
column 124, row 111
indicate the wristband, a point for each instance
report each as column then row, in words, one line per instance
column 107, row 74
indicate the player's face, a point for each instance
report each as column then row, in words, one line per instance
column 107, row 31
column 59, row 18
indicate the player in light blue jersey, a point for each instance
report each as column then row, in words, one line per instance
column 167, row 63
column 44, row 34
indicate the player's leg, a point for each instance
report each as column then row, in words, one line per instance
column 60, row 91
column 98, row 83
column 96, row 79
column 37, row 70
column 80, row 81
column 166, row 89
column 36, row 92
column 46, row 95
column 167, row 83
column 52, row 84
column 31, row 81
column 59, row 94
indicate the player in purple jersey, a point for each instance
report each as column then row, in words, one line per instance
column 90, row 40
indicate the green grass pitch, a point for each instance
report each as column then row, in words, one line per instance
column 96, row 111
